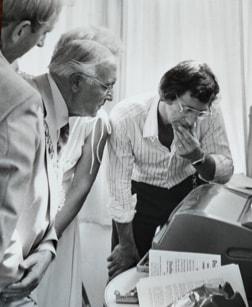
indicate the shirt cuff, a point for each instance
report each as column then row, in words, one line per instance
column 122, row 213
column 49, row 245
column 49, row 242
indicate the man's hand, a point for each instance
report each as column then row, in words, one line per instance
column 121, row 259
column 188, row 147
column 35, row 266
column 187, row 144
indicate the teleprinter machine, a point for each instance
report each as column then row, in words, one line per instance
column 212, row 219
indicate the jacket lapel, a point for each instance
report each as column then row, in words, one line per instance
column 44, row 88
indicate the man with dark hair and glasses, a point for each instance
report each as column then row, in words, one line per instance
column 159, row 150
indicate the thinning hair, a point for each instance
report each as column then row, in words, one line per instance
column 192, row 76
column 36, row 11
column 79, row 55
column 100, row 35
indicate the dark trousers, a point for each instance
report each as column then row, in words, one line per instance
column 153, row 208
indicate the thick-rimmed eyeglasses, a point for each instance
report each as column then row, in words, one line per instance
column 107, row 87
column 187, row 109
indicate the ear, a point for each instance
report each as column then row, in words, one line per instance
column 162, row 97
column 21, row 30
column 170, row 102
column 75, row 82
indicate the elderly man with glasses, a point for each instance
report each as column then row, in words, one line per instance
column 82, row 73
column 159, row 150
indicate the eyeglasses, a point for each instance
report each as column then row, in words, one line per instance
column 187, row 109
column 107, row 87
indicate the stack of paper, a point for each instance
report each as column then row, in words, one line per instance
column 240, row 183
column 168, row 262
column 173, row 274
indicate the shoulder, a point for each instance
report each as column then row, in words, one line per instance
column 29, row 79
column 216, row 113
column 216, row 107
column 15, row 92
column 133, row 108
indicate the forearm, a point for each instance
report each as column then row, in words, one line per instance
column 126, row 235
column 212, row 167
column 204, row 163
column 84, row 177
column 124, row 254
column 224, row 168
column 75, row 199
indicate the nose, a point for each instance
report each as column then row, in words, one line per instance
column 41, row 41
column 110, row 94
column 191, row 118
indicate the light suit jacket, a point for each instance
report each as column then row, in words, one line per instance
column 42, row 84
column 25, row 216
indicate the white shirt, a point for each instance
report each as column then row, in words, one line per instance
column 60, row 106
column 135, row 153
column 80, row 130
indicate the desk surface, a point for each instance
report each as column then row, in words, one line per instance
column 123, row 282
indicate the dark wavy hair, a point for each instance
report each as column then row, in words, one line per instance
column 190, row 76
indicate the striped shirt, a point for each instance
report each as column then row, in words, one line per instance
column 135, row 153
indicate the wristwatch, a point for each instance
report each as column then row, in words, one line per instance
column 199, row 161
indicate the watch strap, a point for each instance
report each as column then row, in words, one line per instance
column 199, row 161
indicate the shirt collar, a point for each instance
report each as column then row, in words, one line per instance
column 2, row 56
column 62, row 115
column 4, row 59
column 150, row 128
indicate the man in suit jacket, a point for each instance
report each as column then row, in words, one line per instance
column 26, row 232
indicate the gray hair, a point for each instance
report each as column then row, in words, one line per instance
column 37, row 11
column 100, row 35
column 78, row 55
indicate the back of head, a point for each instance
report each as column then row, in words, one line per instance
column 36, row 11
column 83, row 49
column 79, row 56
column 192, row 76
column 98, row 34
